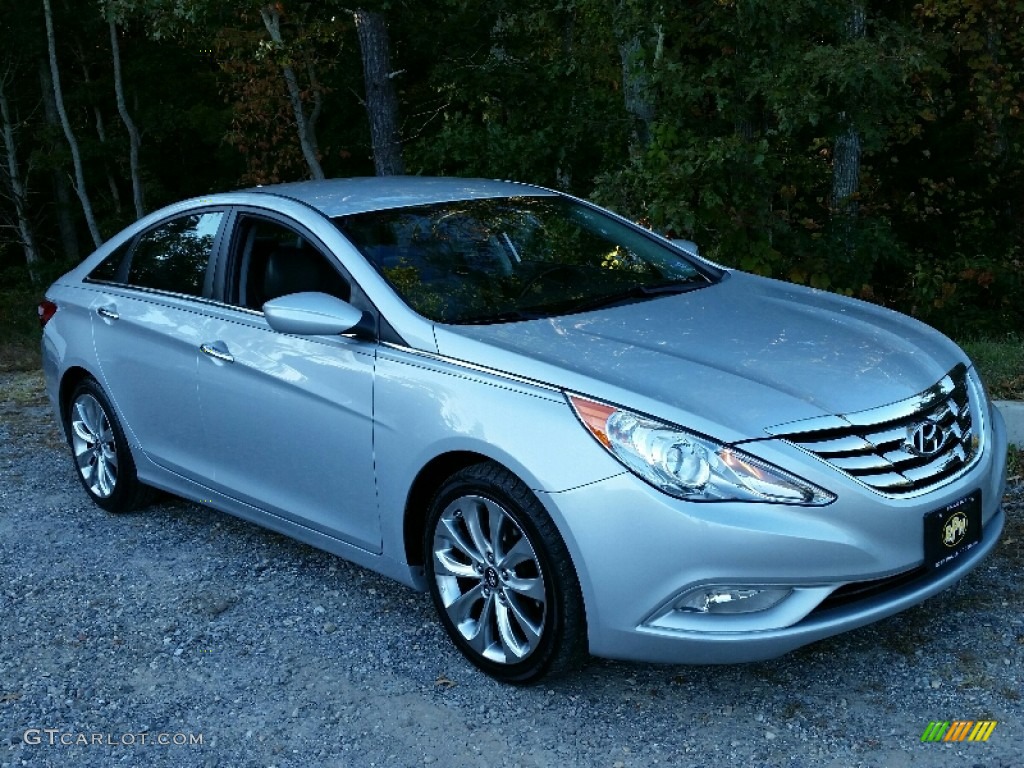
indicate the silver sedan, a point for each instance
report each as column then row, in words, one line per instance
column 576, row 435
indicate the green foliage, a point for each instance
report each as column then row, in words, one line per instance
column 716, row 120
column 751, row 97
column 529, row 95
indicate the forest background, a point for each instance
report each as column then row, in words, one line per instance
column 869, row 148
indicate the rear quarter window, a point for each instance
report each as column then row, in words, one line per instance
column 109, row 270
column 175, row 255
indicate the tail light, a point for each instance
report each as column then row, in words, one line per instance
column 47, row 309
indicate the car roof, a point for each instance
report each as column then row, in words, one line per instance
column 341, row 197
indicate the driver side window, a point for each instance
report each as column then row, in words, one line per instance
column 274, row 261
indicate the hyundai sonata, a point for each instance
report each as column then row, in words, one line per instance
column 577, row 435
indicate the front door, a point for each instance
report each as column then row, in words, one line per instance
column 288, row 420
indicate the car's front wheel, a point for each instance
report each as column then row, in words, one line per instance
column 501, row 577
column 100, row 451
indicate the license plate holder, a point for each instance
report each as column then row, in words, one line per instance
column 952, row 531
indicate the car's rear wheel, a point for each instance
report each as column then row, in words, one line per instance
column 100, row 451
column 501, row 577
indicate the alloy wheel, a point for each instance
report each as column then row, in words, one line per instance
column 489, row 579
column 94, row 445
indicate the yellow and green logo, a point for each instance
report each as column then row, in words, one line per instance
column 958, row 730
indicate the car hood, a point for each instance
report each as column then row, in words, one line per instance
column 729, row 360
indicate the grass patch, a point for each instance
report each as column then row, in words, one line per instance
column 23, row 389
column 1001, row 364
column 25, row 410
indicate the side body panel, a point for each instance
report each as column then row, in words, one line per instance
column 426, row 407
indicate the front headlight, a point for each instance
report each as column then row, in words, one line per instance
column 687, row 465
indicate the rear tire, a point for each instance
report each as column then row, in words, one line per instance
column 100, row 451
column 501, row 577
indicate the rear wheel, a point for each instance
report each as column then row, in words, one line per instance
column 100, row 451
column 501, row 577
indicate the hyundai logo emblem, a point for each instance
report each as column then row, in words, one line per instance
column 925, row 439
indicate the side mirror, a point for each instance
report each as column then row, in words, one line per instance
column 311, row 314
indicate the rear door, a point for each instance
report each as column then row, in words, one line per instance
column 147, row 324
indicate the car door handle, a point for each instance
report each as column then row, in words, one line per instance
column 107, row 313
column 217, row 354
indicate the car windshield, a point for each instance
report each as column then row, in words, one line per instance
column 506, row 259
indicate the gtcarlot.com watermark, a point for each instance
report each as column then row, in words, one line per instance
column 56, row 737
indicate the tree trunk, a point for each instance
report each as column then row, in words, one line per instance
column 847, row 149
column 306, row 129
column 19, row 192
column 636, row 91
column 631, row 29
column 76, row 157
column 845, row 170
column 61, row 193
column 134, row 141
column 101, row 133
column 381, row 103
column 993, row 43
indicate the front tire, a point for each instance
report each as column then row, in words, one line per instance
column 100, row 450
column 501, row 577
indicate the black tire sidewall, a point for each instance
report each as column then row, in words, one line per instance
column 552, row 635
column 126, row 488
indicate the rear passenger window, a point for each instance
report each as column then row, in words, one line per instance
column 174, row 256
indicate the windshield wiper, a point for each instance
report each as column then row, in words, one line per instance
column 634, row 293
column 511, row 316
column 643, row 292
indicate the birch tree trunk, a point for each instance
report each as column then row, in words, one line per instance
column 635, row 91
column 76, row 156
column 306, row 129
column 134, row 142
column 631, row 27
column 19, row 192
column 381, row 102
column 846, row 150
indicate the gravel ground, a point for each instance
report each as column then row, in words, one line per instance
column 179, row 623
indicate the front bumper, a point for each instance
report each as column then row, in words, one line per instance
column 637, row 550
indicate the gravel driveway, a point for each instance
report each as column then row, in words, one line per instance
column 123, row 637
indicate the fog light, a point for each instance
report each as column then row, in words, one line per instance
column 731, row 600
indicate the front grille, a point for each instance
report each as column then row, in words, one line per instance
column 878, row 446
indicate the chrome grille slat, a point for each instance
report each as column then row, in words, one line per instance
column 862, row 464
column 894, row 436
column 939, row 466
column 891, row 483
column 874, row 446
column 847, row 444
column 900, row 457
